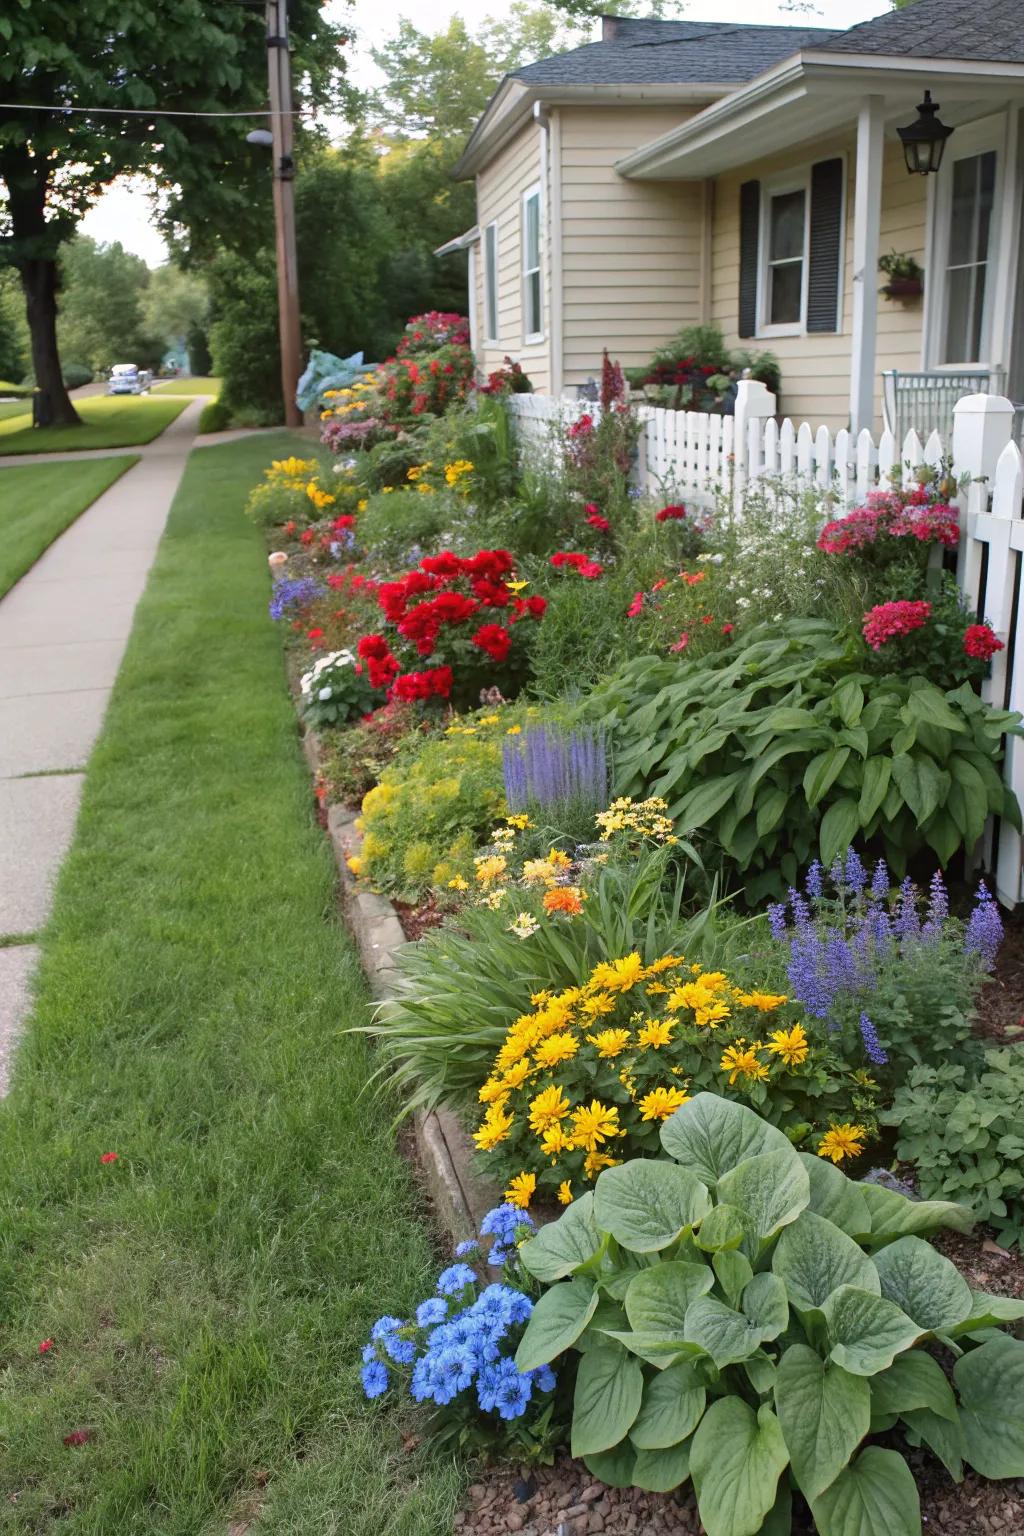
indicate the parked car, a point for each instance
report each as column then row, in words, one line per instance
column 127, row 379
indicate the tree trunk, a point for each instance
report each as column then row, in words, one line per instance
column 39, row 282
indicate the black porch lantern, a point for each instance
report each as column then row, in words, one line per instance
column 924, row 139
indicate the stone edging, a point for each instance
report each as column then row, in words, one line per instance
column 460, row 1196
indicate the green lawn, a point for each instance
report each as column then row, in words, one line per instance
column 12, row 408
column 38, row 501
column 200, row 385
column 208, row 1293
column 108, row 421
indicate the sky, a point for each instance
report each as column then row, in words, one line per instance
column 123, row 212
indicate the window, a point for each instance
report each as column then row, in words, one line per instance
column 491, row 282
column 972, row 200
column 785, row 258
column 533, row 319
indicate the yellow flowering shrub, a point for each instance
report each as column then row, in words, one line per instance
column 586, row 1078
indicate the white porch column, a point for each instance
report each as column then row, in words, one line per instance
column 867, row 213
column 471, row 305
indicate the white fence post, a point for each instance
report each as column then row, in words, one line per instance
column 754, row 403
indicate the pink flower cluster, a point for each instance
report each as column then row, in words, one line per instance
column 888, row 620
column 893, row 515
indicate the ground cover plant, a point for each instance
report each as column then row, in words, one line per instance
column 37, row 503
column 107, row 422
column 195, row 1222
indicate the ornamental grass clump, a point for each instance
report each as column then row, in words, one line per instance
column 584, row 1079
column 888, row 972
column 456, row 1354
column 749, row 1320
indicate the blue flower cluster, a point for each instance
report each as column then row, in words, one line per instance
column 547, row 767
column 294, row 593
column 506, row 1224
column 846, row 932
column 457, row 1339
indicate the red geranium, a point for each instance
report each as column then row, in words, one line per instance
column 886, row 621
column 670, row 514
column 981, row 643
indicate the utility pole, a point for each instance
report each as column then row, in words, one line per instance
column 282, row 128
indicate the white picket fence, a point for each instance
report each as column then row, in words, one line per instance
column 700, row 458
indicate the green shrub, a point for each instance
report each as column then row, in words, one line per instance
column 747, row 1317
column 389, row 463
column 399, row 527
column 214, row 417
column 244, row 342
column 965, row 1137
column 77, row 374
column 777, row 749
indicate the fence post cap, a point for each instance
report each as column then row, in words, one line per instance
column 983, row 405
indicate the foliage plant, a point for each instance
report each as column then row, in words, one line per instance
column 891, row 977
column 694, row 370
column 456, row 1354
column 586, row 1077
column 334, row 689
column 295, row 491
column 778, row 749
column 964, row 1134
column 748, row 1319
column 399, row 527
column 354, row 757
column 435, row 801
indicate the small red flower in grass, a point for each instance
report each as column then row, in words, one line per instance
column 670, row 514
column 79, row 1437
column 681, row 643
column 45, row 1346
column 108, row 1157
column 727, row 629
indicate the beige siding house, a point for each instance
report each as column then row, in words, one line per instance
column 677, row 172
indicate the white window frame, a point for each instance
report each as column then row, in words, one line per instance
column 492, row 319
column 797, row 181
column 531, row 338
column 970, row 139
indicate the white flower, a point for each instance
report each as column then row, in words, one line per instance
column 324, row 695
column 524, row 926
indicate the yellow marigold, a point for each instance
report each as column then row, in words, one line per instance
column 318, row 497
column 559, row 860
column 520, row 821
column 355, row 863
column 666, row 963
column 662, row 1102
column 790, row 1044
column 514, row 1049
column 618, row 975
column 513, row 730
column 554, row 1049
column 554, row 1016
column 554, row 1142
column 488, row 719
column 564, row 898
column 490, row 868
column 521, row 1190
column 496, row 1125
column 493, row 1091
column 601, row 1002
column 539, row 998
column 458, row 884
column 595, row 1161
column 517, row 1074
column 548, row 1109
column 453, row 473
column 656, row 1033
column 710, row 1015
column 740, row 1060
column 565, row 1192
column 593, row 1124
column 656, row 988
column 538, row 872
column 610, row 1043
column 766, row 1001
column 842, row 1141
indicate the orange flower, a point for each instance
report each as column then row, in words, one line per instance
column 564, row 898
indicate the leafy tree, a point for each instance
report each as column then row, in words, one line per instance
column 174, row 303
column 185, row 56
column 103, row 294
column 13, row 330
column 244, row 339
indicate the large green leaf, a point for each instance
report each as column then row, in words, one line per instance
column 875, row 777
column 914, row 1380
column 944, row 1437
column 557, row 1321
column 990, row 1381
column 769, row 1191
column 821, row 773
column 848, row 701
column 928, row 704
column 839, row 826
column 609, row 1390
column 672, row 1406
column 657, row 1349
column 814, row 1258
column 721, row 1229
column 658, row 1298
column 709, row 1135
column 662, row 1470
column 727, row 1336
column 927, row 1286
column 563, row 1245
column 988, row 1312
column 736, row 1460
column 766, row 1304
column 893, row 1215
column 703, row 802
column 836, row 1197
column 825, row 1412
column 923, row 785
column 733, row 1272
column 866, row 1332
column 645, row 1204
column 875, row 1496
column 614, row 1467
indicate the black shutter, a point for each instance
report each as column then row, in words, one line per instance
column 823, row 295
column 750, row 220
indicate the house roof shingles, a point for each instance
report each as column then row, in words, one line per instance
column 984, row 30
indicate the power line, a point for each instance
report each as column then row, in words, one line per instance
column 20, row 106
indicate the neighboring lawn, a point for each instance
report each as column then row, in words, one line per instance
column 208, row 1293
column 38, row 501
column 200, row 385
column 13, row 408
column 107, row 422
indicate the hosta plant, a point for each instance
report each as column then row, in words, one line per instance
column 749, row 1318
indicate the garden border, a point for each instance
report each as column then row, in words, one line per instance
column 461, row 1198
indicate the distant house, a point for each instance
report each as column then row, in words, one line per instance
column 678, row 171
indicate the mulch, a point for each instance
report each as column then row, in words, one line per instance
column 1000, row 1018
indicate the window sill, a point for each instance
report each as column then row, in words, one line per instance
column 535, row 341
column 767, row 332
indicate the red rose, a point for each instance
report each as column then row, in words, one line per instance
column 600, row 523
column 444, row 564
column 494, row 639
column 493, row 594
column 670, row 514
column 536, row 607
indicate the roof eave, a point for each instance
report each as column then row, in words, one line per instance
column 460, row 243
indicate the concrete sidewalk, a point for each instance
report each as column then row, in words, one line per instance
column 63, row 631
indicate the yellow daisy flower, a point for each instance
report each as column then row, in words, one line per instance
column 565, row 1192
column 662, row 1102
column 556, row 1048
column 496, row 1125
column 657, row 1033
column 549, row 1108
column 790, row 1044
column 593, row 1124
column 521, row 1190
column 842, row 1141
column 610, row 1043
column 618, row 975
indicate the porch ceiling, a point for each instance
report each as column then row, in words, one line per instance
column 811, row 96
